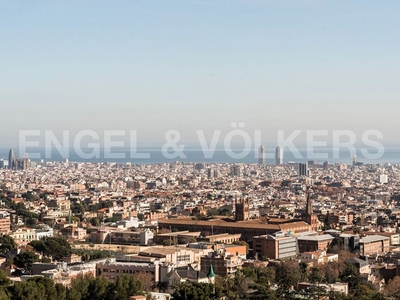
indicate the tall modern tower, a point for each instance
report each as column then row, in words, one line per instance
column 236, row 171
column 261, row 155
column 303, row 169
column 354, row 160
column 11, row 160
column 279, row 155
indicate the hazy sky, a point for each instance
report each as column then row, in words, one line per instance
column 187, row 65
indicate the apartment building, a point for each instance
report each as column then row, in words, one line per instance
column 276, row 246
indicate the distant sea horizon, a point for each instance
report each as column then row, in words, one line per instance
column 193, row 155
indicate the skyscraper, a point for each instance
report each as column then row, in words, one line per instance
column 11, row 160
column 236, row 171
column 261, row 155
column 212, row 172
column 279, row 155
column 303, row 169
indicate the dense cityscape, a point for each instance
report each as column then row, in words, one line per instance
column 199, row 150
column 222, row 231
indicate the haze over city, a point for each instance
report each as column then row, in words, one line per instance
column 154, row 66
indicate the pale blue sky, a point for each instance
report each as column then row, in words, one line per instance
column 187, row 65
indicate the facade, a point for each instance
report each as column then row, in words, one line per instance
column 41, row 233
column 394, row 237
column 224, row 238
column 113, row 270
column 223, row 264
column 362, row 266
column 317, row 258
column 72, row 259
column 181, row 275
column 374, row 244
column 178, row 256
column 212, row 172
column 276, row 246
column 180, row 237
column 303, row 169
column 261, row 155
column 279, row 155
column 24, row 235
column 236, row 171
column 314, row 243
column 73, row 232
column 247, row 229
column 348, row 242
column 5, row 224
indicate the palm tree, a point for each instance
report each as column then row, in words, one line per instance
column 162, row 286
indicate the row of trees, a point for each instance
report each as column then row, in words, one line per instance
column 82, row 288
column 51, row 248
column 258, row 283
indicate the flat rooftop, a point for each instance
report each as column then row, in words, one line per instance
column 373, row 238
column 323, row 237
column 256, row 224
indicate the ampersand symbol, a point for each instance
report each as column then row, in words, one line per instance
column 172, row 137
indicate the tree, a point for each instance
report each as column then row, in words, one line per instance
column 4, row 280
column 30, row 222
column 330, row 271
column 288, row 274
column 145, row 279
column 365, row 292
column 3, row 293
column 265, row 275
column 95, row 221
column 351, row 276
column 24, row 260
column 7, row 243
column 61, row 291
column 241, row 285
column 161, row 286
column 27, row 290
column 264, row 292
column 125, row 287
column 75, row 219
column 54, row 247
column 168, row 242
column 315, row 275
column 198, row 291
column 392, row 289
column 79, row 289
column 49, row 287
column 98, row 288
column 249, row 273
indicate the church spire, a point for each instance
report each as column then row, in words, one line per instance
column 211, row 275
column 309, row 210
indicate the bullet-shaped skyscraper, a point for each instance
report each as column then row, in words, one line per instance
column 261, row 155
column 279, row 155
column 11, row 160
